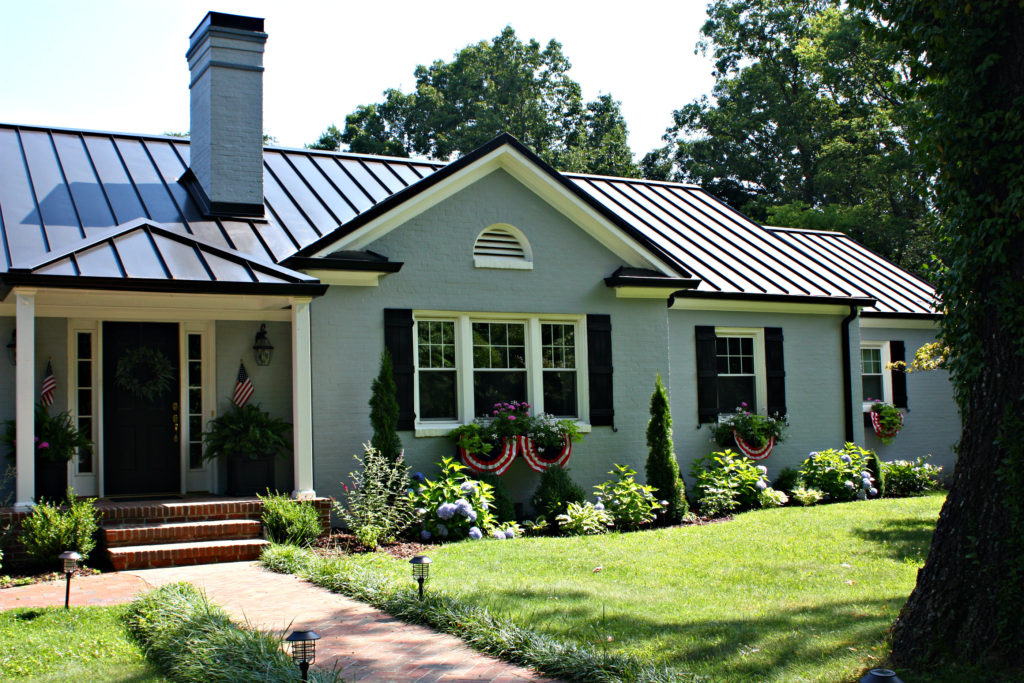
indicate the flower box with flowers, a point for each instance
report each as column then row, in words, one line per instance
column 886, row 420
column 753, row 435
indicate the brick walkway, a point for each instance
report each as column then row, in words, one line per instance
column 368, row 644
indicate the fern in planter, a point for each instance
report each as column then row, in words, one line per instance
column 56, row 436
column 249, row 432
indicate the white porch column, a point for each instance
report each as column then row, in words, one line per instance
column 24, row 398
column 302, row 399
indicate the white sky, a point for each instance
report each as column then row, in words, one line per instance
column 120, row 65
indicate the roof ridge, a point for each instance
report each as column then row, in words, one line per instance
column 644, row 181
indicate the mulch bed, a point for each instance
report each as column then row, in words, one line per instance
column 27, row 578
column 341, row 543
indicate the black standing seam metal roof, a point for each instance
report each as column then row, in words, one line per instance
column 61, row 187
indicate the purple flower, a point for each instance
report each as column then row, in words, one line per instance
column 425, row 535
column 761, row 485
column 873, row 491
column 468, row 487
column 813, row 454
column 498, row 534
column 419, row 477
column 446, row 511
column 846, row 459
column 762, row 469
column 442, row 530
column 510, row 533
column 599, row 505
column 849, row 485
column 44, row 444
column 511, row 417
column 475, row 533
column 743, row 405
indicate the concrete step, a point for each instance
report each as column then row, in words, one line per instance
column 121, row 535
column 179, row 554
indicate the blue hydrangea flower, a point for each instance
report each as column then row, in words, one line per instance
column 498, row 534
column 813, row 455
column 849, row 485
column 475, row 533
column 421, row 511
column 762, row 469
column 599, row 505
column 873, row 491
column 846, row 459
column 510, row 533
column 468, row 487
column 442, row 530
column 865, row 484
column 419, row 477
column 865, row 475
column 761, row 485
column 446, row 511
column 425, row 535
column 862, row 495
column 472, row 515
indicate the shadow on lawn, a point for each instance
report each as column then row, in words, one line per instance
column 901, row 539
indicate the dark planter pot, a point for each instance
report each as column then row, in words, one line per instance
column 249, row 476
column 51, row 479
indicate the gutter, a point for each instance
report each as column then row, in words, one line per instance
column 847, row 376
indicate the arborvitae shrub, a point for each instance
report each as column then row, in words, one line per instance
column 662, row 466
column 504, row 509
column 788, row 479
column 384, row 411
column 554, row 493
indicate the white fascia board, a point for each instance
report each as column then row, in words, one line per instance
column 900, row 323
column 744, row 305
column 525, row 171
column 356, row 278
column 627, row 292
column 144, row 306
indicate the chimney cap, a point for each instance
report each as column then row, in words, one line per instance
column 235, row 21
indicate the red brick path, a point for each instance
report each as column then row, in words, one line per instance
column 368, row 644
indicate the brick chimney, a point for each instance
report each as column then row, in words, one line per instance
column 225, row 61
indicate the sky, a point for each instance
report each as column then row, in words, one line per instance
column 120, row 65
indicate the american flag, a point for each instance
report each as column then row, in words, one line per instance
column 49, row 386
column 243, row 387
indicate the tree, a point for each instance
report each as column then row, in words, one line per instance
column 804, row 128
column 968, row 124
column 662, row 466
column 488, row 88
column 384, row 411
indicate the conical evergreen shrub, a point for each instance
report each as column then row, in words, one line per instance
column 384, row 411
column 662, row 466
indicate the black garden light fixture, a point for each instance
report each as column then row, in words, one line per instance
column 71, row 559
column 12, row 348
column 420, row 570
column 881, row 676
column 303, row 649
column 262, row 348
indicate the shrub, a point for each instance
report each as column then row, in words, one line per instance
column 504, row 509
column 910, row 478
column 754, row 429
column 788, row 479
column 806, row 496
column 770, row 498
column 585, row 519
column 554, row 493
column 877, row 470
column 662, row 466
column 384, row 411
column 630, row 504
column 192, row 640
column 289, row 521
column 727, row 481
column 51, row 529
column 840, row 475
column 377, row 508
column 454, row 506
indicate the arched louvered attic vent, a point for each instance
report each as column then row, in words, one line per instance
column 502, row 246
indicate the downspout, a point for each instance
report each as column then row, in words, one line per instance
column 847, row 376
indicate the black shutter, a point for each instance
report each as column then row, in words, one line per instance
column 897, row 353
column 707, row 375
column 398, row 340
column 599, row 367
column 775, row 371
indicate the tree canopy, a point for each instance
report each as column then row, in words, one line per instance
column 504, row 85
column 804, row 127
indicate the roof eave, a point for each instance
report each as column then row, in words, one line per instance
column 774, row 298
column 13, row 279
column 319, row 263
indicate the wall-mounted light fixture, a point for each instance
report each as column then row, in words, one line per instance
column 262, row 347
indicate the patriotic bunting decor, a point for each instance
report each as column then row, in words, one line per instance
column 243, row 387
column 751, row 452
column 49, row 386
column 880, row 431
column 495, row 462
column 540, row 459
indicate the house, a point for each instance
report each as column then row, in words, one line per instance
column 491, row 277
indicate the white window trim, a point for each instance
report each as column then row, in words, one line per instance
column 464, row 364
column 886, row 374
column 760, row 374
column 85, row 483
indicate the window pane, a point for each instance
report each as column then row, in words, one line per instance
column 733, row 392
column 84, row 373
column 499, row 345
column 84, row 345
column 871, row 361
column 195, row 373
column 195, row 347
column 195, row 427
column 560, row 393
column 496, row 387
column 437, row 395
column 195, row 401
column 85, row 427
column 85, row 401
column 85, row 460
column 872, row 385
column 195, row 455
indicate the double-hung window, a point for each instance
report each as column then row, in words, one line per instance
column 739, row 362
column 465, row 363
column 875, row 380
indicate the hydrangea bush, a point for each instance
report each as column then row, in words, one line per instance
column 910, row 477
column 630, row 504
column 840, row 474
column 454, row 506
column 584, row 519
column 728, row 481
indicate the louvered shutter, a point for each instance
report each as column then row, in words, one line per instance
column 897, row 353
column 775, row 371
column 398, row 340
column 599, row 366
column 707, row 374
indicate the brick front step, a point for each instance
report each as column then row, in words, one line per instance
column 118, row 536
column 179, row 554
column 177, row 511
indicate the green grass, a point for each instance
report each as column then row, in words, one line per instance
column 793, row 594
column 58, row 645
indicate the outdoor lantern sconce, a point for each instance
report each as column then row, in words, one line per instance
column 71, row 559
column 12, row 348
column 881, row 676
column 262, row 347
column 303, row 649
column 420, row 570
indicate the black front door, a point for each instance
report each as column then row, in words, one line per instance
column 141, row 390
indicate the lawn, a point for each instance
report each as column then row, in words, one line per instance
column 793, row 594
column 84, row 643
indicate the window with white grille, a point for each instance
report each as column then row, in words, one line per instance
column 502, row 246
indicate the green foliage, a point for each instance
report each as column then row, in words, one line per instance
column 584, row 519
column 727, row 481
column 509, row 421
column 488, row 88
column 754, row 429
column 804, row 127
column 888, row 420
column 910, row 477
column 788, row 479
column 504, row 507
column 51, row 529
column 384, row 411
column 770, row 498
column 453, row 506
column 56, row 437
column 555, row 491
column 194, row 641
column 329, row 140
column 662, row 467
column 294, row 522
column 840, row 475
column 877, row 469
column 377, row 508
column 806, row 496
column 249, row 432
column 630, row 504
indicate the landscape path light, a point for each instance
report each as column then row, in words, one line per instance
column 71, row 559
column 303, row 649
column 881, row 676
column 420, row 570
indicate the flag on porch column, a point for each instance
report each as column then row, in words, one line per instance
column 243, row 387
column 49, row 386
